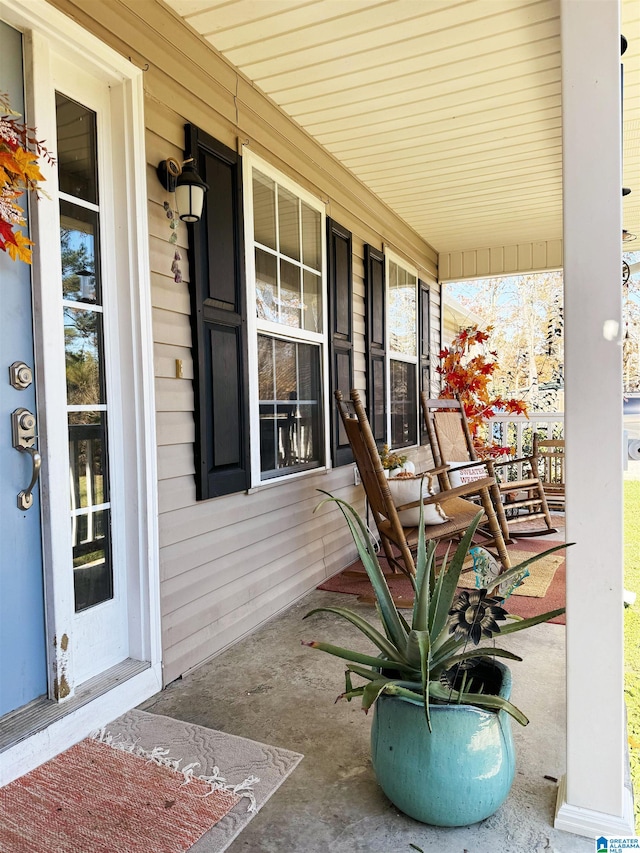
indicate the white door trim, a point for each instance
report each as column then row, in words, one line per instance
column 48, row 31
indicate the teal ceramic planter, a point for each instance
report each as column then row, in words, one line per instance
column 459, row 773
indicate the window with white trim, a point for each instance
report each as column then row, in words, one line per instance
column 402, row 353
column 285, row 229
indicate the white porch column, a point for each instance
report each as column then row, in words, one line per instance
column 593, row 800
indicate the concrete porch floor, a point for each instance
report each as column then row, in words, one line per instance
column 270, row 688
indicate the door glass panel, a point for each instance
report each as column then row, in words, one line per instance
column 90, row 516
column 79, row 245
column 92, row 576
column 77, row 160
column 84, row 355
column 87, row 462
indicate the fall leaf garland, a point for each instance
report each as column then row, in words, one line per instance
column 468, row 378
column 19, row 153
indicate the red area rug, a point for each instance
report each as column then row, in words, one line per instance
column 354, row 581
column 95, row 798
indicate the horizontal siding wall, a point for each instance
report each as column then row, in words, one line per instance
column 500, row 260
column 231, row 563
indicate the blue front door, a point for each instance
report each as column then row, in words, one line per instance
column 23, row 666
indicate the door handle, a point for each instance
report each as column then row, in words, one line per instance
column 25, row 498
column 23, row 430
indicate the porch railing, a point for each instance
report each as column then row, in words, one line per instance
column 516, row 432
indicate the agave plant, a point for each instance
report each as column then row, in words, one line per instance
column 439, row 657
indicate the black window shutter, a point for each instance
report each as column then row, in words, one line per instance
column 340, row 281
column 375, row 302
column 424, row 348
column 218, row 321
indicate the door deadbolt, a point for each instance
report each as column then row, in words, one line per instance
column 20, row 375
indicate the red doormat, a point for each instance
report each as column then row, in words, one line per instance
column 354, row 581
column 95, row 798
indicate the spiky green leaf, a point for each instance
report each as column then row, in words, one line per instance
column 422, row 600
column 389, row 612
column 512, row 573
column 448, row 579
column 490, row 651
column 371, row 693
column 358, row 657
column 386, row 646
column 419, row 651
column 481, row 700
column 521, row 624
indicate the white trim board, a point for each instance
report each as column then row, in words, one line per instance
column 590, row 823
column 47, row 32
column 73, row 727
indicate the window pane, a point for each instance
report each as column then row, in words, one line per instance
column 393, row 275
column 92, row 569
column 404, row 403
column 79, row 248
column 87, row 459
column 402, row 311
column 83, row 357
column 311, row 242
column 266, row 378
column 264, row 210
column 288, row 224
column 88, row 477
column 267, row 286
column 291, row 419
column 290, row 301
column 76, row 127
column 312, row 302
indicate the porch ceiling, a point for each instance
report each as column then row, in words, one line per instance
column 449, row 111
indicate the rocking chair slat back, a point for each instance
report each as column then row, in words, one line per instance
column 394, row 537
column 549, row 454
column 451, row 442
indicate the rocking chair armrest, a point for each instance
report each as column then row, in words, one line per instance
column 428, row 499
column 411, row 505
column 529, row 459
column 473, row 464
column 439, row 470
column 459, row 491
column 466, row 489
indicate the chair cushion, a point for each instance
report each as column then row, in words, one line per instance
column 405, row 490
column 461, row 513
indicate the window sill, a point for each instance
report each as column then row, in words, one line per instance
column 274, row 482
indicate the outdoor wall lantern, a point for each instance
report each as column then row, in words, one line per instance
column 183, row 180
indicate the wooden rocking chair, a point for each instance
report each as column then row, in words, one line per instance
column 549, row 455
column 452, row 445
column 393, row 534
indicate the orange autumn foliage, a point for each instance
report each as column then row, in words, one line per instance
column 19, row 171
column 468, row 378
